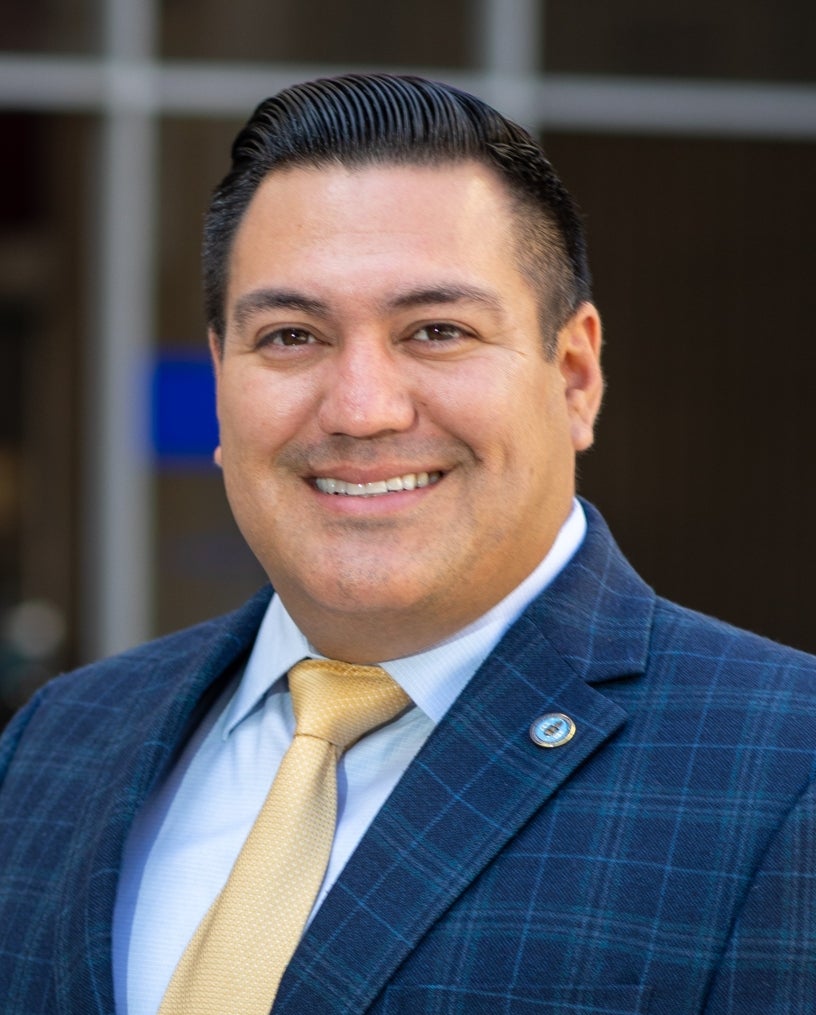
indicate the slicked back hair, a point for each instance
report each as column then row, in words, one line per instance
column 371, row 119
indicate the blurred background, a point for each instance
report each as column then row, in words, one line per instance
column 687, row 131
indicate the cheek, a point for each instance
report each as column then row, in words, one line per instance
column 505, row 419
column 474, row 401
column 257, row 415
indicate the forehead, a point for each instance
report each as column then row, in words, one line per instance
column 330, row 222
column 441, row 176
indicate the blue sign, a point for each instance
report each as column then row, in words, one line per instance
column 184, row 429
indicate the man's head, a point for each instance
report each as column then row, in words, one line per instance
column 398, row 443
column 374, row 119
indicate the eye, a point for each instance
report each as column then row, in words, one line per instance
column 288, row 337
column 439, row 331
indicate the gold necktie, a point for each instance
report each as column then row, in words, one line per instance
column 237, row 956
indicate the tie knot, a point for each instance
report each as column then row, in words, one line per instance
column 340, row 702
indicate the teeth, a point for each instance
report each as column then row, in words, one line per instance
column 410, row 481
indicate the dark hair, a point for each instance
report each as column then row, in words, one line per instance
column 360, row 119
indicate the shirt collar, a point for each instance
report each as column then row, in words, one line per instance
column 433, row 679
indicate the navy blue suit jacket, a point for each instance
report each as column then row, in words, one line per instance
column 661, row 861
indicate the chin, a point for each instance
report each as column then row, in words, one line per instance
column 356, row 580
column 356, row 600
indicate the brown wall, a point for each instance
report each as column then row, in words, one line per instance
column 704, row 257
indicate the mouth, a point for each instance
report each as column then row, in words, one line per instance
column 379, row 487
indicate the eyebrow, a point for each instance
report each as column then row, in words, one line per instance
column 453, row 293
column 259, row 300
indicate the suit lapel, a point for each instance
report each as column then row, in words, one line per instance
column 176, row 681
column 478, row 779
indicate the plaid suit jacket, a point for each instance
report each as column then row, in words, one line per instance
column 663, row 860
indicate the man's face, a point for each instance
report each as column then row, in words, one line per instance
column 397, row 449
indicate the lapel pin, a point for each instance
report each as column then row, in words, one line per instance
column 552, row 730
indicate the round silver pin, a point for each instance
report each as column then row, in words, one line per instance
column 552, row 730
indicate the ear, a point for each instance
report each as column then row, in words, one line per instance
column 216, row 351
column 579, row 359
column 216, row 355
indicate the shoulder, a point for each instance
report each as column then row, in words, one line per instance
column 172, row 651
column 136, row 689
column 677, row 638
column 742, row 704
column 693, row 638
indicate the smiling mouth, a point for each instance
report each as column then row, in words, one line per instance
column 409, row 481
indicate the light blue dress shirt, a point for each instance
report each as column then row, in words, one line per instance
column 185, row 840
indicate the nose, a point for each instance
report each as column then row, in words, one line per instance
column 367, row 392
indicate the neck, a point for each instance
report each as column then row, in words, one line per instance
column 374, row 638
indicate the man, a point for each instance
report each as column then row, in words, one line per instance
column 591, row 800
